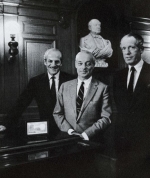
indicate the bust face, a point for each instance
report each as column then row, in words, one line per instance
column 95, row 26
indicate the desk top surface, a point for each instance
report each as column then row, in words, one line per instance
column 16, row 150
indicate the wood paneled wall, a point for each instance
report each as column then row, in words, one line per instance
column 40, row 29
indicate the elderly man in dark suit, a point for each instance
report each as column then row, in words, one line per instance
column 132, row 97
column 43, row 88
column 83, row 105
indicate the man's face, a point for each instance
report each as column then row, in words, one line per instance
column 95, row 27
column 84, row 65
column 52, row 63
column 131, row 53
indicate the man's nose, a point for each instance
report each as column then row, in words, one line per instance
column 127, row 51
column 53, row 63
column 83, row 66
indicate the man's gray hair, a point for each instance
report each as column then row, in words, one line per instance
column 86, row 52
column 51, row 50
column 139, row 39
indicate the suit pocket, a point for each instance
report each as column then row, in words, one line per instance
column 93, row 109
column 94, row 102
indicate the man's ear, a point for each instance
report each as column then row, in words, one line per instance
column 89, row 27
column 141, row 51
column 44, row 61
column 75, row 64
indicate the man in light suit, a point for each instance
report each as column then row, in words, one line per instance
column 93, row 115
column 96, row 44
column 132, row 97
column 40, row 89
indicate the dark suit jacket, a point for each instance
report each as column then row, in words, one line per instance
column 133, row 121
column 95, row 107
column 38, row 88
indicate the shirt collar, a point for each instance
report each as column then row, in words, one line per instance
column 96, row 36
column 56, row 76
column 87, row 81
column 138, row 65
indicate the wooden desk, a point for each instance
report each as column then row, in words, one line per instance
column 61, row 156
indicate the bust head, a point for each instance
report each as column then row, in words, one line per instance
column 94, row 26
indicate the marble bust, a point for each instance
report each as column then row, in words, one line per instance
column 96, row 44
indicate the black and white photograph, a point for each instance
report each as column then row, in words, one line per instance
column 74, row 88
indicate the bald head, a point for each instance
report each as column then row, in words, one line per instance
column 94, row 26
column 85, row 54
column 52, row 61
column 84, row 64
column 55, row 53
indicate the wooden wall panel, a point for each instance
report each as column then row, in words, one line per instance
column 35, row 53
column 39, row 30
column 11, row 75
column 37, row 13
column 1, row 65
column 33, row 43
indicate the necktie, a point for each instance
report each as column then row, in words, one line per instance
column 131, row 82
column 53, row 90
column 80, row 97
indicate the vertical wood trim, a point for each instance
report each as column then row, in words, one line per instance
column 2, row 64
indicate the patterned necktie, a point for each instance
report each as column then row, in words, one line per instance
column 53, row 90
column 131, row 82
column 80, row 97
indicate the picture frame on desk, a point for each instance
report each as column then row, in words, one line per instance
column 36, row 128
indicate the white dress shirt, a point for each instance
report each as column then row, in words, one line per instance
column 137, row 71
column 56, row 81
column 86, row 87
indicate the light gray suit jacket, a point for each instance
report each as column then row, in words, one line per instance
column 95, row 112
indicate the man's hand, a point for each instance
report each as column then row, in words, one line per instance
column 75, row 133
column 2, row 128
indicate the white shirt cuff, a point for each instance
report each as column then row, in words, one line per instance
column 85, row 136
column 70, row 131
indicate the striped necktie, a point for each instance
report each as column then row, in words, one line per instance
column 80, row 97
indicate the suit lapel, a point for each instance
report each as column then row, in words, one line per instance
column 124, row 80
column 123, row 86
column 45, row 83
column 61, row 79
column 73, row 94
column 141, row 83
column 90, row 93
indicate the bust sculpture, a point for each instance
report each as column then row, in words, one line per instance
column 96, row 44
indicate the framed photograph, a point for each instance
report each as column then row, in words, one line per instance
column 37, row 128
